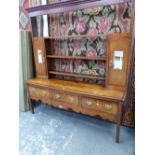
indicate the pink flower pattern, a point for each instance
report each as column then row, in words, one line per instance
column 77, row 45
column 104, row 25
column 92, row 32
column 80, row 25
column 91, row 52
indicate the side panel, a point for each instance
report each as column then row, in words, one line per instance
column 118, row 59
column 40, row 58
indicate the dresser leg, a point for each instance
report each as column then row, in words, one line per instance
column 31, row 106
column 117, row 132
column 118, row 123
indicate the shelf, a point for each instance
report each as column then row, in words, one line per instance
column 76, row 57
column 76, row 37
column 77, row 75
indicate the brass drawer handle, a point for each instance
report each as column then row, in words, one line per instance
column 108, row 106
column 71, row 99
column 88, row 103
column 57, row 96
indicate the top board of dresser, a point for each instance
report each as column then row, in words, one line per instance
column 111, row 93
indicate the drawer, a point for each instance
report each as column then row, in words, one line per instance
column 99, row 105
column 65, row 98
column 39, row 94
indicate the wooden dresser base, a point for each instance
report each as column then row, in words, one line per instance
column 67, row 95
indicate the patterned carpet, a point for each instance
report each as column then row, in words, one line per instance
column 51, row 131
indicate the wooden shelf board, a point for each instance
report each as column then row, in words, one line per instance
column 76, row 57
column 77, row 75
column 76, row 37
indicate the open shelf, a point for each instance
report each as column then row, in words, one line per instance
column 77, row 75
column 77, row 37
column 76, row 57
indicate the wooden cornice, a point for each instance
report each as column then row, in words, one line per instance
column 69, row 5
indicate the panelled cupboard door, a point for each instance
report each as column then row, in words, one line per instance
column 118, row 59
column 40, row 57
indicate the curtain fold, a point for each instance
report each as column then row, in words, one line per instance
column 25, row 67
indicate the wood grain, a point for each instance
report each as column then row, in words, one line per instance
column 118, row 42
column 41, row 69
column 99, row 105
column 76, row 57
column 77, row 75
column 112, row 93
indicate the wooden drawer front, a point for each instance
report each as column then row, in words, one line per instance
column 61, row 97
column 99, row 105
column 39, row 94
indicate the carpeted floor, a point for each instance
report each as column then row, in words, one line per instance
column 51, row 131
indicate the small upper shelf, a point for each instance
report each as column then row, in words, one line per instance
column 76, row 57
column 77, row 75
column 77, row 37
column 69, row 5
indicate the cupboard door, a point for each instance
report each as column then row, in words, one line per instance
column 40, row 58
column 118, row 59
